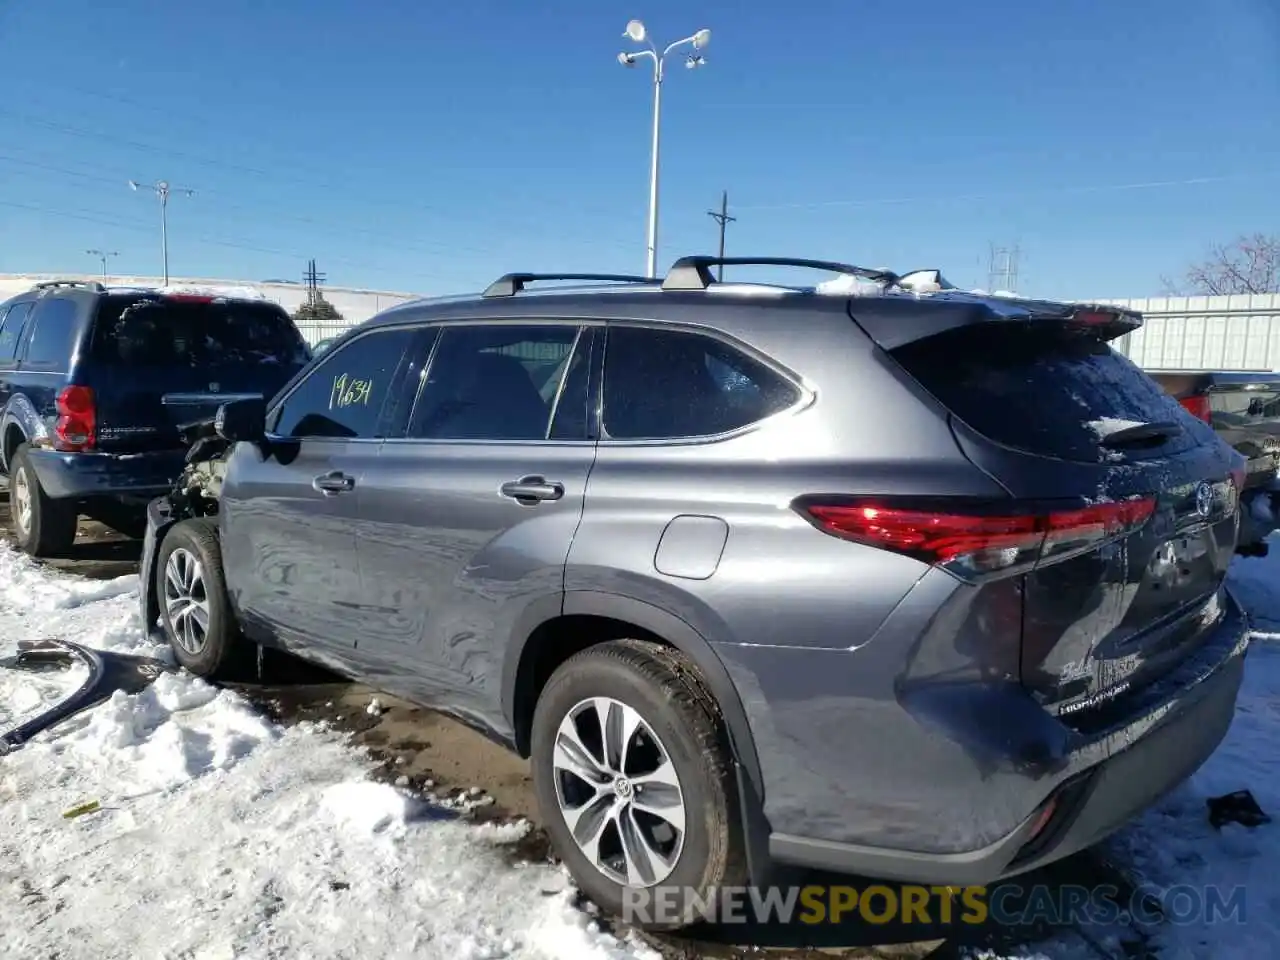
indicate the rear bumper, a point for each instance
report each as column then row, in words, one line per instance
column 948, row 788
column 77, row 475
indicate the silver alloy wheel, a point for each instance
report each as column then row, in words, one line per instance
column 618, row 792
column 20, row 495
column 186, row 600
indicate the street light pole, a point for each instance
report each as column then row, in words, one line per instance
column 103, row 255
column 637, row 34
column 163, row 189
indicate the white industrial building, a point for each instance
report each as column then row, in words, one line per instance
column 1180, row 333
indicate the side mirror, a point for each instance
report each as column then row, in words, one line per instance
column 243, row 419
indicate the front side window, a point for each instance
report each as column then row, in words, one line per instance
column 346, row 395
column 504, row 382
column 670, row 384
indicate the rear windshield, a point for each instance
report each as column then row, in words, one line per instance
column 154, row 331
column 1042, row 389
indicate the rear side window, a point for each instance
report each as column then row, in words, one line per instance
column 1043, row 390
column 11, row 327
column 53, row 335
column 505, row 382
column 668, row 384
column 158, row 331
column 345, row 395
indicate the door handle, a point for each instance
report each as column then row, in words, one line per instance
column 532, row 489
column 333, row 483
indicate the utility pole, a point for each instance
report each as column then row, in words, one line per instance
column 162, row 190
column 723, row 219
column 103, row 255
column 313, row 279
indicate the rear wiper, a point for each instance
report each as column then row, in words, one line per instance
column 1161, row 430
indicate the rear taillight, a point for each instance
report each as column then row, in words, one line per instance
column 77, row 420
column 1197, row 406
column 975, row 539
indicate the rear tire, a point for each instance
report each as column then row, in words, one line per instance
column 42, row 526
column 651, row 869
column 195, row 612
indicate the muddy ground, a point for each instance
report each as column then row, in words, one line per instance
column 442, row 760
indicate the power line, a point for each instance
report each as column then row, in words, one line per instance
column 213, row 241
column 341, row 227
column 398, row 204
column 1051, row 191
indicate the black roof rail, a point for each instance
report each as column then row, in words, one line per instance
column 508, row 285
column 93, row 285
column 694, row 273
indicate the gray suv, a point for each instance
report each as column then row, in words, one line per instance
column 906, row 582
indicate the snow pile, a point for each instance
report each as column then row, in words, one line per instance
column 1108, row 425
column 850, row 285
column 220, row 834
column 228, row 292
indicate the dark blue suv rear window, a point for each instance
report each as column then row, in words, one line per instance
column 155, row 331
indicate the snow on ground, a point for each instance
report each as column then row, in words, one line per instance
column 222, row 835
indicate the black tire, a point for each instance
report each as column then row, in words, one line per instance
column 660, row 684
column 51, row 529
column 223, row 650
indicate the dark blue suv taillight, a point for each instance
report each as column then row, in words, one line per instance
column 76, row 428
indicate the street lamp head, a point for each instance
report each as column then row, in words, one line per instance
column 133, row 184
column 693, row 63
column 636, row 31
column 626, row 59
column 163, row 185
column 701, row 39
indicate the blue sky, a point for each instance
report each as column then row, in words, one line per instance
column 430, row 147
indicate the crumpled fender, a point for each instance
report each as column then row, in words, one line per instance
column 108, row 672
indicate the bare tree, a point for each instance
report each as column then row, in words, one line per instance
column 1250, row 264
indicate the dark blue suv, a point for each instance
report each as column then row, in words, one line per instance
column 95, row 382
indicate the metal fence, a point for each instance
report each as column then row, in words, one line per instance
column 1205, row 333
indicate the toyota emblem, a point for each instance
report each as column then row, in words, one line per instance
column 1204, row 498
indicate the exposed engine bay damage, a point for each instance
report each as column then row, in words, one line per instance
column 108, row 672
column 197, row 489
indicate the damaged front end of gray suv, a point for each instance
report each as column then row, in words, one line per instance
column 194, row 494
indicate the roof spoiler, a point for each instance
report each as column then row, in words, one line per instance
column 893, row 322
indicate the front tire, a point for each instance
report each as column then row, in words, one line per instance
column 42, row 526
column 194, row 609
column 633, row 775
